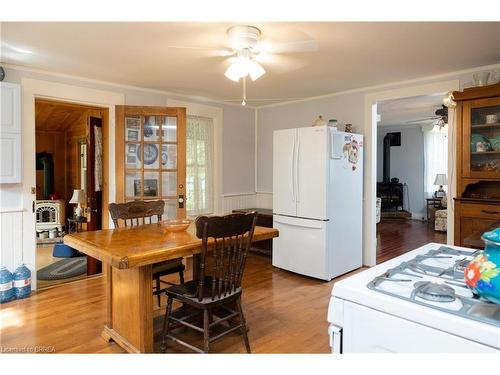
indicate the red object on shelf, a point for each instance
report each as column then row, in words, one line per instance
column 53, row 196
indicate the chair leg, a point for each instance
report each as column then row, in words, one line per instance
column 206, row 330
column 181, row 276
column 166, row 324
column 158, row 287
column 243, row 326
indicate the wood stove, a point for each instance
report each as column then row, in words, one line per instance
column 49, row 215
column 390, row 191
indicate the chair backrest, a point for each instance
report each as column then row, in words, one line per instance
column 136, row 212
column 232, row 236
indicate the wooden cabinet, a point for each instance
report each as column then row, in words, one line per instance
column 10, row 133
column 477, row 205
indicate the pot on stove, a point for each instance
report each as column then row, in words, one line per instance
column 482, row 274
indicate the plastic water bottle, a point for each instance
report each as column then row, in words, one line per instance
column 6, row 289
column 22, row 281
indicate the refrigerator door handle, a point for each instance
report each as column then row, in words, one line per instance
column 292, row 171
column 297, row 191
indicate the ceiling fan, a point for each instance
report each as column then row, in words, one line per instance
column 439, row 119
column 248, row 53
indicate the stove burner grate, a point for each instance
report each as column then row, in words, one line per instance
column 434, row 292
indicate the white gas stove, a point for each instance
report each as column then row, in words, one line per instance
column 417, row 302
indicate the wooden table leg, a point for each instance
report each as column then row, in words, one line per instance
column 130, row 309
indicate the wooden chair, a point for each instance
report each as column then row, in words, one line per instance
column 217, row 291
column 135, row 213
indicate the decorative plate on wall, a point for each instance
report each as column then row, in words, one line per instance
column 150, row 153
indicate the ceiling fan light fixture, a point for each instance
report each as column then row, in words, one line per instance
column 236, row 70
column 255, row 70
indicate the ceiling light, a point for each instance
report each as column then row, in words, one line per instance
column 236, row 70
column 255, row 70
column 243, row 66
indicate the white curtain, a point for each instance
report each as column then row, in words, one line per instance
column 199, row 166
column 435, row 157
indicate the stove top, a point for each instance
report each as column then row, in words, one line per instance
column 436, row 280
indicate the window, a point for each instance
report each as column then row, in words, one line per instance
column 436, row 157
column 199, row 166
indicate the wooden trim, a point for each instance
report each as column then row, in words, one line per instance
column 181, row 161
column 472, row 93
column 105, row 168
column 120, row 153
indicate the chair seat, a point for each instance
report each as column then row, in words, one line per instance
column 187, row 291
column 168, row 267
column 442, row 213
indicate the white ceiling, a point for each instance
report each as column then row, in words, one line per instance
column 398, row 112
column 351, row 55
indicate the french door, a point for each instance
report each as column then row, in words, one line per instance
column 151, row 156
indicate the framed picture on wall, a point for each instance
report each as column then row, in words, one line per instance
column 132, row 135
column 150, row 187
column 132, row 149
column 133, row 123
column 131, row 159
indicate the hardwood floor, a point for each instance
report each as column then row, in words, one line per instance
column 286, row 313
column 396, row 237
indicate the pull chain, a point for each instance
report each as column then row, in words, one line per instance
column 243, row 103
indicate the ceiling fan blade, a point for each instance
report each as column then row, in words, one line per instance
column 279, row 64
column 212, row 51
column 289, row 47
column 424, row 119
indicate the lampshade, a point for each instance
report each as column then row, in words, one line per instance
column 243, row 66
column 78, row 196
column 441, row 179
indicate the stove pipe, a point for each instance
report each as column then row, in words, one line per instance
column 390, row 139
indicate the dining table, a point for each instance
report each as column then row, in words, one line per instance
column 128, row 255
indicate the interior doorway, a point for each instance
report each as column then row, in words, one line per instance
column 69, row 186
column 412, row 173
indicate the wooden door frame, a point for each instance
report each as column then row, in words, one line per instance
column 180, row 113
column 33, row 89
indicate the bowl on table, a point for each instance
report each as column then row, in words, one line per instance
column 177, row 225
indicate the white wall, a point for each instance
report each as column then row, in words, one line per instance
column 407, row 164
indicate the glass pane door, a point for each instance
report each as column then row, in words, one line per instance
column 485, row 139
column 152, row 166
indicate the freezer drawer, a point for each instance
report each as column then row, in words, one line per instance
column 301, row 246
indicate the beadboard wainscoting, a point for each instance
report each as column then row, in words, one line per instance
column 237, row 201
column 11, row 238
column 264, row 200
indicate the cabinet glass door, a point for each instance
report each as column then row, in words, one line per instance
column 484, row 154
column 151, row 146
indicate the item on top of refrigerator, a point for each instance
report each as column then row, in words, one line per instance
column 332, row 123
column 320, row 121
column 348, row 128
column 482, row 274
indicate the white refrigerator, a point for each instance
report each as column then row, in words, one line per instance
column 317, row 201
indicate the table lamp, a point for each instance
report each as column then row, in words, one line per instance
column 440, row 180
column 78, row 198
